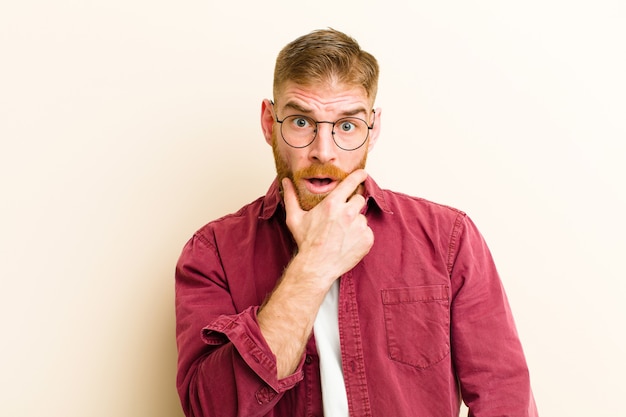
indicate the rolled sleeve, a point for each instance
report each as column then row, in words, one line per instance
column 243, row 332
column 225, row 367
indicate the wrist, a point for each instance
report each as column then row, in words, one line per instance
column 310, row 274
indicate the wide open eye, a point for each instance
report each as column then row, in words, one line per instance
column 347, row 126
column 300, row 122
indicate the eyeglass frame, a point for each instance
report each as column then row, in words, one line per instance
column 317, row 129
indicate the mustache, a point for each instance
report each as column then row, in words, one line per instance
column 320, row 171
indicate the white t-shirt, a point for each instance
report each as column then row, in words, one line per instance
column 326, row 328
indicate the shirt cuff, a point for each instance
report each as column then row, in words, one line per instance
column 243, row 331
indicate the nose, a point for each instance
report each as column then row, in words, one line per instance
column 323, row 148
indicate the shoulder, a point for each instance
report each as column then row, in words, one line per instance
column 407, row 204
column 235, row 222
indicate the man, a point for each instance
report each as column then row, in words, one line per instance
column 330, row 296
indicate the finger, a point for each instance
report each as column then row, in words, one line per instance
column 357, row 201
column 349, row 184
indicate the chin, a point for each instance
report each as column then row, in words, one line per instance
column 308, row 200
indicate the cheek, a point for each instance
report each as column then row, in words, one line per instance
column 356, row 160
column 286, row 158
column 294, row 158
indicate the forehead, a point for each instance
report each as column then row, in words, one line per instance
column 324, row 97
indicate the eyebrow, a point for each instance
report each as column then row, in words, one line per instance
column 305, row 111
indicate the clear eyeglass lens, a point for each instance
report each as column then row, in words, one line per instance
column 349, row 133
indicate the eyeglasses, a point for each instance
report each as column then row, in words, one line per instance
column 349, row 133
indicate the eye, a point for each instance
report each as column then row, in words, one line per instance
column 346, row 126
column 301, row 122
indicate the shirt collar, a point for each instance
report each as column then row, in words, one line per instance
column 373, row 194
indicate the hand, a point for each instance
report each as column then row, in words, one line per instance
column 333, row 236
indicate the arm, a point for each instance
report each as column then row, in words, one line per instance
column 225, row 368
column 486, row 349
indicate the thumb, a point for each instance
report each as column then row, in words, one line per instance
column 292, row 205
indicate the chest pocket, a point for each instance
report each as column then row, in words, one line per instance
column 417, row 324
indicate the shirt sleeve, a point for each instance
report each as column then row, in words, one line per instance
column 225, row 367
column 487, row 353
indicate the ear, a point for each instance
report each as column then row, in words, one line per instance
column 375, row 130
column 267, row 120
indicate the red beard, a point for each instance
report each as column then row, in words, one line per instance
column 307, row 199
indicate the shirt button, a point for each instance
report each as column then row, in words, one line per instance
column 308, row 359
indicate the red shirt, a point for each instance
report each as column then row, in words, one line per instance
column 423, row 319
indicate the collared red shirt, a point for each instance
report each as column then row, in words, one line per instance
column 423, row 318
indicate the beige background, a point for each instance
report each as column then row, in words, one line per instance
column 126, row 125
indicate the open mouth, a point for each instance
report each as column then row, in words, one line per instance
column 319, row 182
column 320, row 185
